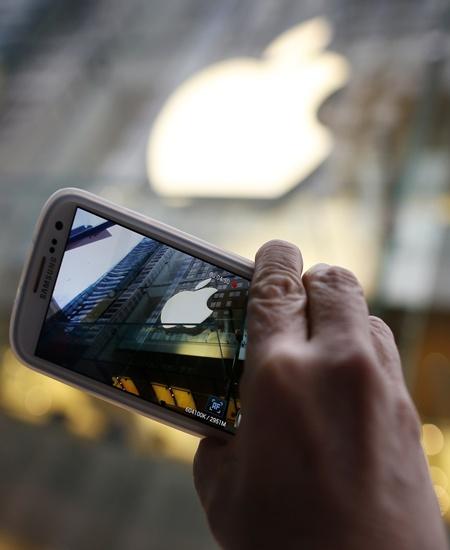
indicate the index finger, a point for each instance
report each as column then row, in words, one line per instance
column 277, row 299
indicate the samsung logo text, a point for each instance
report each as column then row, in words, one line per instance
column 48, row 278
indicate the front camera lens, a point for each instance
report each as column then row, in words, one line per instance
column 59, row 225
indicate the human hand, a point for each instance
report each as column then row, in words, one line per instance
column 328, row 453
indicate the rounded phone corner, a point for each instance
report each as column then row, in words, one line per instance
column 18, row 350
column 61, row 196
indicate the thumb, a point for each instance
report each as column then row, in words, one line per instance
column 208, row 467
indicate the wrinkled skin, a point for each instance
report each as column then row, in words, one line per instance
column 328, row 453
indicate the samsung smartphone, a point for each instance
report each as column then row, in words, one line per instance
column 135, row 312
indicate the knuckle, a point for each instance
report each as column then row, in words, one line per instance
column 276, row 366
column 274, row 282
column 258, row 310
column 354, row 354
column 355, row 362
column 351, row 388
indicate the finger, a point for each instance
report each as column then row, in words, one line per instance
column 386, row 349
column 337, row 310
column 277, row 300
column 208, row 465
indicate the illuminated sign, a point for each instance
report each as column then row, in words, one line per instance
column 248, row 127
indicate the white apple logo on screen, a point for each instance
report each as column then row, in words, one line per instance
column 188, row 308
column 249, row 127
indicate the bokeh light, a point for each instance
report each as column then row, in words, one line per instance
column 36, row 398
column 443, row 498
column 432, row 439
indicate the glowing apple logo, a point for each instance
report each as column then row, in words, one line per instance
column 188, row 308
column 247, row 127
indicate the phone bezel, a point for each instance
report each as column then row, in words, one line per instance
column 30, row 308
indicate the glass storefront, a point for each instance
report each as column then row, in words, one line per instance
column 328, row 126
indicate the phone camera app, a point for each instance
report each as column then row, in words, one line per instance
column 216, row 406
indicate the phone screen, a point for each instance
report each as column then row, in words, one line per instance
column 148, row 319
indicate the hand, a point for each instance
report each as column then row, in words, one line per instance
column 328, row 452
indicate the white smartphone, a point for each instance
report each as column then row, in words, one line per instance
column 135, row 312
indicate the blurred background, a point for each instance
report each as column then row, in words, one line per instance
column 326, row 123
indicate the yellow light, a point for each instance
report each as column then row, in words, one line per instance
column 443, row 498
column 9, row 541
column 38, row 400
column 33, row 397
column 125, row 383
column 439, row 477
column 432, row 439
column 163, row 394
column 184, row 398
column 248, row 127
